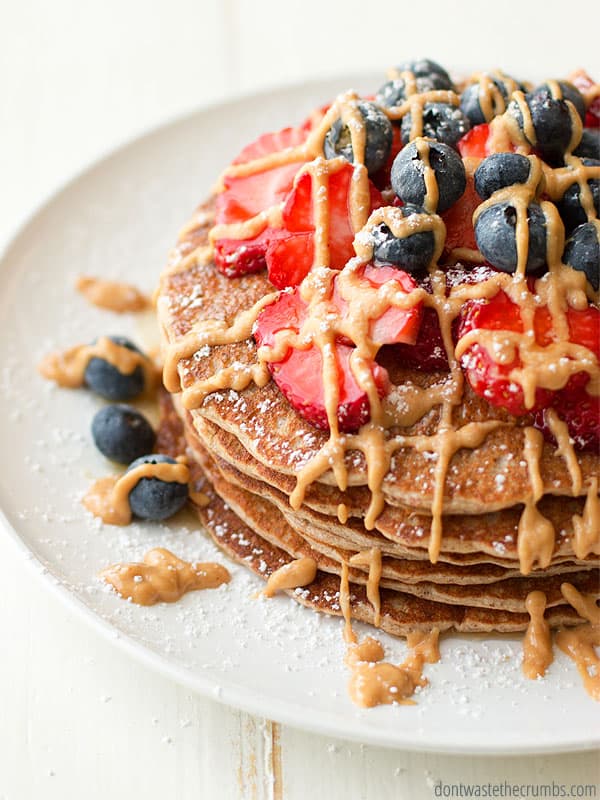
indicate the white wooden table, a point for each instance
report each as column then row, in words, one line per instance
column 78, row 718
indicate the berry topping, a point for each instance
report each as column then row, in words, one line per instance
column 496, row 235
column 551, row 121
column 491, row 379
column 106, row 380
column 409, row 172
column 589, row 146
column 474, row 143
column 412, row 252
column 428, row 352
column 568, row 91
column 584, row 83
column 582, row 251
column 290, row 257
column 459, row 220
column 426, row 68
column 299, row 375
column 443, row 122
column 581, row 413
column 235, row 257
column 121, row 433
column 570, row 206
column 152, row 498
column 471, row 98
column 338, row 141
column 396, row 91
column 500, row 170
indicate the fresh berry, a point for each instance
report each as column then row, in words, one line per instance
column 106, row 380
column 245, row 196
column 290, row 257
column 426, row 68
column 459, row 220
column 568, row 91
column 474, row 143
column 582, row 251
column 583, row 82
column 428, row 352
column 394, row 92
column 441, row 121
column 581, row 413
column 152, row 498
column 490, row 379
column 552, row 124
column 122, row 434
column 589, row 146
column 299, row 375
column 413, row 252
column 408, row 181
column 500, row 170
column 470, row 103
column 569, row 206
column 495, row 232
column 338, row 141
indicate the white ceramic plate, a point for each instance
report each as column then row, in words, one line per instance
column 272, row 658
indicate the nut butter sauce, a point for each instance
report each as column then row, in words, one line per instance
column 112, row 295
column 580, row 643
column 537, row 643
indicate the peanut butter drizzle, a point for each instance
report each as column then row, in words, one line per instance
column 565, row 448
column 162, row 578
column 199, row 498
column 68, row 368
column 371, row 559
column 297, row 573
column 547, row 367
column 537, row 643
column 113, row 295
column 108, row 498
column 586, row 528
column 535, row 534
column 579, row 643
column 491, row 99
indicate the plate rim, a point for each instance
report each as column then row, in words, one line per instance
column 227, row 692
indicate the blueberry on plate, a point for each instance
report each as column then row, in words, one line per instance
column 121, row 433
column 426, row 68
column 470, row 100
column 568, row 92
column 500, row 170
column 407, row 176
column 412, row 253
column 495, row 232
column 589, row 146
column 552, row 124
column 338, row 141
column 106, row 380
column 152, row 498
column 441, row 121
column 582, row 251
column 569, row 205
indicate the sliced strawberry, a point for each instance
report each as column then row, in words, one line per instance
column 474, row 143
column 428, row 352
column 395, row 325
column 315, row 118
column 459, row 219
column 583, row 82
column 235, row 257
column 299, row 374
column 290, row 261
column 581, row 413
column 491, row 380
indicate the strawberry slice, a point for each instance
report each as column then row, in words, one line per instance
column 581, row 413
column 583, row 82
column 491, row 380
column 246, row 196
column 474, row 143
column 395, row 325
column 458, row 219
column 289, row 260
column 299, row 374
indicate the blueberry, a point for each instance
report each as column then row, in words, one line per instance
column 441, row 121
column 589, row 146
column 152, row 498
column 568, row 91
column 408, row 180
column 121, row 433
column 412, row 253
column 394, row 93
column 551, row 121
column 495, row 231
column 500, row 170
column 469, row 100
column 582, row 251
column 425, row 68
column 338, row 141
column 108, row 382
column 569, row 205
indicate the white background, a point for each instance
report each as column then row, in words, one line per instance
column 77, row 717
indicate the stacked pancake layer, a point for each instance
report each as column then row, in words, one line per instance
column 248, row 446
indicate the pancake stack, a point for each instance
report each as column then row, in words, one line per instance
column 247, row 446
